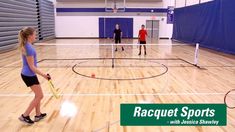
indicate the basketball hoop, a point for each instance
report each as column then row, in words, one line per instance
column 115, row 7
column 115, row 10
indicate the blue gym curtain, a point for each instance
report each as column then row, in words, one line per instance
column 107, row 26
column 211, row 24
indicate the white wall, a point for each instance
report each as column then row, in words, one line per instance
column 98, row 4
column 129, row 4
column 77, row 26
column 88, row 26
column 205, row 1
column 181, row 3
column 192, row 2
column 79, row 5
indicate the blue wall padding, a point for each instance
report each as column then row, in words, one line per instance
column 107, row 26
column 211, row 24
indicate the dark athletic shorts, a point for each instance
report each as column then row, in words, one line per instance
column 142, row 42
column 30, row 80
column 117, row 40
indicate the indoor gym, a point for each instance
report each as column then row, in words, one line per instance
column 189, row 60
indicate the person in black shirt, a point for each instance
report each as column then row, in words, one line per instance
column 117, row 36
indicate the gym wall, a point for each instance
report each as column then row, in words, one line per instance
column 47, row 19
column 16, row 14
column 85, row 24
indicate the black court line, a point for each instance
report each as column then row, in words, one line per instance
column 111, row 59
column 201, row 66
column 123, row 59
column 40, row 60
column 93, row 66
column 18, row 66
column 121, row 79
column 9, row 67
column 125, row 79
column 191, row 64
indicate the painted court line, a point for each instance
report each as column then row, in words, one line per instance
column 104, row 94
column 53, row 44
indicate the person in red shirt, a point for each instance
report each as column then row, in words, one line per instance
column 142, row 39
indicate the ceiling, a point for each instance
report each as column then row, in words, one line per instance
column 108, row 0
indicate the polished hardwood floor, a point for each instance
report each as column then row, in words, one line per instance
column 164, row 75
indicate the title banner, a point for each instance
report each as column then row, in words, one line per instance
column 173, row 114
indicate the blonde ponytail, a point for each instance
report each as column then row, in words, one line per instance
column 22, row 41
column 23, row 37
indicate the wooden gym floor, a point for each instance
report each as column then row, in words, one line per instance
column 94, row 103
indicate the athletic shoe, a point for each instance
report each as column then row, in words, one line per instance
column 26, row 119
column 40, row 117
column 116, row 49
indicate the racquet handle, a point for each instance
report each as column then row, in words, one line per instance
column 49, row 77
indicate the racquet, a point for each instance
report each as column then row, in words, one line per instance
column 52, row 87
